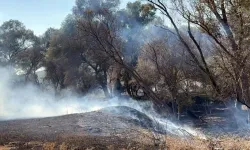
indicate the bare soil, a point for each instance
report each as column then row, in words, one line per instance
column 106, row 130
column 98, row 130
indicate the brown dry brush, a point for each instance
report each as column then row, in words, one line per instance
column 210, row 17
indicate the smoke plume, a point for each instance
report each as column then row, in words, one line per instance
column 30, row 101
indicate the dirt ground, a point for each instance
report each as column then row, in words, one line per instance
column 93, row 130
column 109, row 143
column 104, row 130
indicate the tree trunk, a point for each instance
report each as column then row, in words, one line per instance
column 104, row 84
column 248, row 115
column 105, row 90
column 159, row 103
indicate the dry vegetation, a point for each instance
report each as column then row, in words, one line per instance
column 97, row 143
column 230, row 143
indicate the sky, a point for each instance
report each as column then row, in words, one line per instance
column 38, row 15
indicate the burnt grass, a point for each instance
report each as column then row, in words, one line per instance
column 119, row 128
column 100, row 129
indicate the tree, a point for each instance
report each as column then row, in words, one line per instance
column 29, row 61
column 134, row 22
column 46, row 37
column 168, row 72
column 83, row 6
column 103, row 31
column 14, row 38
column 54, row 62
column 89, row 53
column 83, row 67
column 227, row 24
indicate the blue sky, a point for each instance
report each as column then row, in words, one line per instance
column 38, row 15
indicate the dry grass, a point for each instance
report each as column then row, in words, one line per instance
column 49, row 146
column 223, row 143
column 145, row 141
column 235, row 143
column 172, row 143
column 176, row 143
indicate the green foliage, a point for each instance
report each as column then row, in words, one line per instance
column 14, row 38
column 83, row 6
column 137, row 13
column 46, row 37
column 142, row 13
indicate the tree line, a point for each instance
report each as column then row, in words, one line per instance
column 162, row 50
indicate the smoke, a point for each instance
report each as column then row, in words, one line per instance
column 30, row 101
column 240, row 113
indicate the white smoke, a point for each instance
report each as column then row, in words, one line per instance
column 30, row 101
